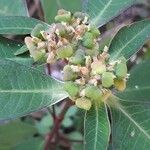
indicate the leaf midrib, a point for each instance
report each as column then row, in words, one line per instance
column 29, row 91
column 94, row 21
column 134, row 122
column 119, row 51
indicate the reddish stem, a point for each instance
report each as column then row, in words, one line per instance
column 57, row 122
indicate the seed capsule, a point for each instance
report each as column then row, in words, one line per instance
column 61, row 30
column 38, row 55
column 79, row 58
column 71, row 88
column 120, row 85
column 63, row 16
column 93, row 93
column 64, row 51
column 107, row 79
column 94, row 31
column 88, row 40
column 121, row 69
column 36, row 31
column 98, row 67
column 83, row 103
column 69, row 75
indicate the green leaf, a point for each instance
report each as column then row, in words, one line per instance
column 130, row 39
column 24, row 90
column 14, row 132
column 130, row 125
column 13, row 8
column 138, row 85
column 50, row 7
column 30, row 144
column 7, row 49
column 102, row 11
column 21, row 50
column 18, row 25
column 96, row 128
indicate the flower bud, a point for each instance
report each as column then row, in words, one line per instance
column 93, row 92
column 64, row 51
column 107, row 79
column 83, row 103
column 120, row 84
column 36, row 31
column 79, row 58
column 88, row 40
column 71, row 88
column 68, row 74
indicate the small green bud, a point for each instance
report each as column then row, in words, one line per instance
column 71, row 88
column 37, row 54
column 94, row 31
column 98, row 67
column 63, row 16
column 83, row 103
column 36, row 31
column 61, row 30
column 107, row 79
column 120, row 85
column 94, row 51
column 64, row 51
column 79, row 58
column 69, row 75
column 93, row 92
column 88, row 40
column 121, row 69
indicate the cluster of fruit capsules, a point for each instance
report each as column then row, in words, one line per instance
column 89, row 75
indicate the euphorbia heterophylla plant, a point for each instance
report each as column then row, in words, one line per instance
column 96, row 79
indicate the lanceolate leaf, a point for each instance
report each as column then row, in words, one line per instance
column 130, row 125
column 50, row 7
column 18, row 25
column 130, row 39
column 13, row 8
column 102, row 11
column 96, row 128
column 24, row 90
column 7, row 49
column 138, row 85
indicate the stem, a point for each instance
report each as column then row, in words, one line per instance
column 57, row 122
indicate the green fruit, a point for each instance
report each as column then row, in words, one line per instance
column 121, row 70
column 78, row 59
column 88, row 40
column 36, row 31
column 71, row 88
column 69, row 75
column 64, row 51
column 93, row 92
column 63, row 17
column 98, row 67
column 120, row 85
column 94, row 31
column 83, row 103
column 107, row 79
column 62, row 30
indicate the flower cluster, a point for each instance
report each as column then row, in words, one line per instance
column 89, row 74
